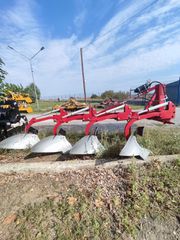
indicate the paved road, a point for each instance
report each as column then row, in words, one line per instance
column 177, row 118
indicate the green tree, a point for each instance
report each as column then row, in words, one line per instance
column 30, row 90
column 120, row 95
column 2, row 72
column 108, row 94
column 94, row 96
column 17, row 88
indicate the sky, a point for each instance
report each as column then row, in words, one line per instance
column 124, row 42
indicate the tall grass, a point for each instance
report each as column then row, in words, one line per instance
column 159, row 140
column 44, row 106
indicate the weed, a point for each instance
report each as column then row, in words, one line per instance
column 151, row 189
column 161, row 141
column 44, row 106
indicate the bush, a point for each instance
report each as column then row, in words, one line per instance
column 121, row 95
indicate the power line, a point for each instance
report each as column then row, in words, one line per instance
column 127, row 41
column 123, row 22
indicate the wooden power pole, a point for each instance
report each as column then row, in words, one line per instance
column 83, row 77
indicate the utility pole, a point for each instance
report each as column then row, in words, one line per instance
column 83, row 77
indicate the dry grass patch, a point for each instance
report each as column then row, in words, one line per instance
column 79, row 213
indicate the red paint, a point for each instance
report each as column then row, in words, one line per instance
column 163, row 114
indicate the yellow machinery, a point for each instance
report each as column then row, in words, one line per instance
column 71, row 105
column 23, row 100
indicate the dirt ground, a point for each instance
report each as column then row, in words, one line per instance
column 26, row 156
column 18, row 190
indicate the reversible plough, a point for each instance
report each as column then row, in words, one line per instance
column 157, row 108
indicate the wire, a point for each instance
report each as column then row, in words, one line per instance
column 135, row 36
column 123, row 22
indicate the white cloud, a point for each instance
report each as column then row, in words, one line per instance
column 107, row 37
column 112, row 62
column 158, row 11
column 20, row 16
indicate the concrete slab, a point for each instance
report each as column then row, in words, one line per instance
column 50, row 167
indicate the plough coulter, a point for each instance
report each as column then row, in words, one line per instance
column 158, row 108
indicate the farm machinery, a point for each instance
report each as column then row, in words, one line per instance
column 108, row 102
column 71, row 105
column 158, row 108
column 23, row 100
column 11, row 120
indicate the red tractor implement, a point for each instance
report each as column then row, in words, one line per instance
column 157, row 108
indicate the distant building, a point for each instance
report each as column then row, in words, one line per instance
column 173, row 92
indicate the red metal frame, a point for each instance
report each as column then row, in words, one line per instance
column 55, row 118
column 119, row 116
column 162, row 114
column 62, row 117
column 156, row 109
column 159, row 95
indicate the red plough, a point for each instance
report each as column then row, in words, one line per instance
column 157, row 108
